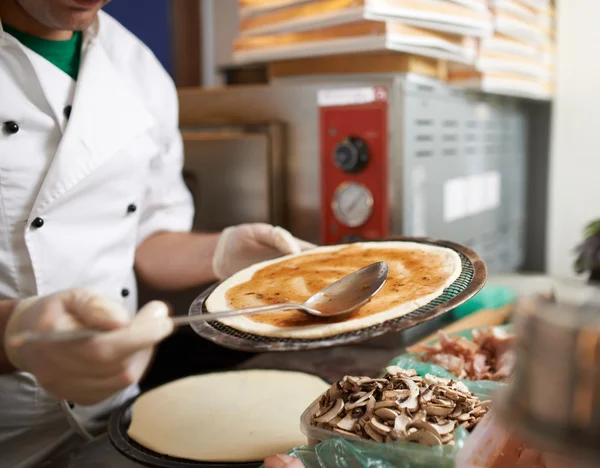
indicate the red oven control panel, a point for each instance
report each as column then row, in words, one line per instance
column 354, row 164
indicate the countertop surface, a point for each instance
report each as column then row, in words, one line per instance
column 330, row 364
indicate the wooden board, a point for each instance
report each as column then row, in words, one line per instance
column 380, row 62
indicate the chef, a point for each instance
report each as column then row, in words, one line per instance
column 90, row 189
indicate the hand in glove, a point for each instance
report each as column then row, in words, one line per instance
column 247, row 244
column 91, row 370
column 283, row 461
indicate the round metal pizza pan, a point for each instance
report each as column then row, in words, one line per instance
column 117, row 432
column 472, row 278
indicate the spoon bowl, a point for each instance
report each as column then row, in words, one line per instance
column 349, row 293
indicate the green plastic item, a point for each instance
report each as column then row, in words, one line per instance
column 484, row 389
column 490, row 297
column 341, row 453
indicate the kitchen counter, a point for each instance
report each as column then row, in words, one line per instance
column 330, row 364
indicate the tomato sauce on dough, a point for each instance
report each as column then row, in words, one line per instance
column 412, row 274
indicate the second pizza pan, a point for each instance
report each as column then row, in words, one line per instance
column 472, row 278
column 117, row 432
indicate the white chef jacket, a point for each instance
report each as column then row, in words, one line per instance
column 78, row 194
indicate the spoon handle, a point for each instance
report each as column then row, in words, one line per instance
column 186, row 320
column 71, row 335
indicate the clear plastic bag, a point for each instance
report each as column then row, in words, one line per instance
column 484, row 389
column 342, row 453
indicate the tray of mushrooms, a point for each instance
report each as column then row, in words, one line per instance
column 400, row 406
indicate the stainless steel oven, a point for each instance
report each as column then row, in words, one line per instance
column 362, row 157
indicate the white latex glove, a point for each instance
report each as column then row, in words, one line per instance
column 283, row 461
column 247, row 244
column 91, row 370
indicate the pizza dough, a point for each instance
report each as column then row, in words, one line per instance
column 225, row 417
column 418, row 273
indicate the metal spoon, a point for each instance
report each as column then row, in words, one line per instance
column 339, row 298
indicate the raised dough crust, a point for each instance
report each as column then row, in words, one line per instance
column 217, row 301
column 242, row 416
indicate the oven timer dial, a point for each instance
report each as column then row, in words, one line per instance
column 352, row 204
column 351, row 155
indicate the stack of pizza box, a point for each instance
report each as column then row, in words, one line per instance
column 272, row 30
column 519, row 58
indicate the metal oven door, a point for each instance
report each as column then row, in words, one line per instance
column 235, row 173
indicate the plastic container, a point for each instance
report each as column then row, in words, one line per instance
column 314, row 434
column 485, row 445
column 327, row 449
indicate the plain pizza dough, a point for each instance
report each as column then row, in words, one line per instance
column 442, row 263
column 241, row 416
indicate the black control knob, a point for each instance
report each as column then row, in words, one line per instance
column 351, row 238
column 351, row 155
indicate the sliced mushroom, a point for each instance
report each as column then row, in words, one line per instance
column 364, row 381
column 346, row 433
column 420, row 415
column 412, row 402
column 382, row 381
column 443, row 401
column 347, row 423
column 353, row 380
column 401, row 422
column 486, row 404
column 461, row 387
column 400, row 406
column 386, row 413
column 468, row 405
column 434, row 380
column 424, row 438
column 438, row 409
column 361, row 402
column 458, row 410
column 379, row 426
column 395, row 370
column 451, row 394
column 356, row 396
column 370, row 404
column 332, row 413
column 393, row 395
column 444, row 429
column 385, row 404
column 427, row 395
column 477, row 411
column 423, row 426
column 334, row 392
column 334, row 422
column 372, row 433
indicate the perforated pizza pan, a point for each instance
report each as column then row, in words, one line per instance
column 472, row 278
column 117, row 432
